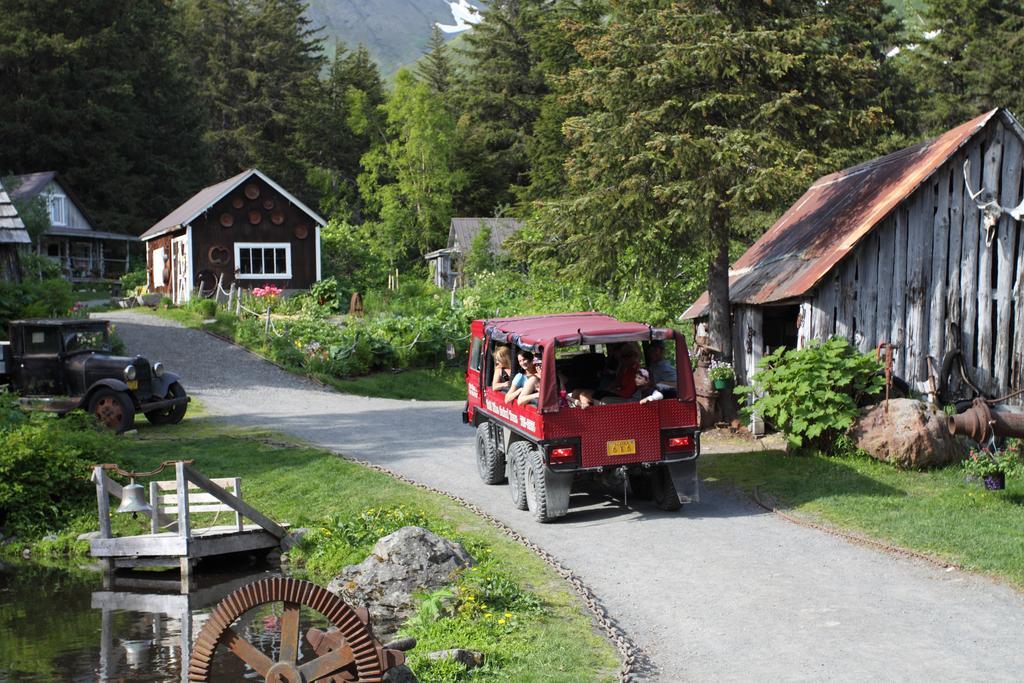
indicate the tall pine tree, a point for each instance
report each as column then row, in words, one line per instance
column 435, row 68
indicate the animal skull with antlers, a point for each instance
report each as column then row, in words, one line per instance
column 991, row 210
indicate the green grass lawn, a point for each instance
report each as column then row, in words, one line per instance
column 423, row 384
column 544, row 634
column 935, row 512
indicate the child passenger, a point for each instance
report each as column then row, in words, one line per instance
column 502, row 368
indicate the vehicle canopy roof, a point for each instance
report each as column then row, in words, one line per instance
column 569, row 329
column 546, row 332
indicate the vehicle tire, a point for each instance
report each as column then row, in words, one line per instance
column 518, row 456
column 536, row 487
column 174, row 414
column 663, row 490
column 113, row 409
column 641, row 485
column 490, row 463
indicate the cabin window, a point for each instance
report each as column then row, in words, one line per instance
column 58, row 210
column 778, row 327
column 263, row 260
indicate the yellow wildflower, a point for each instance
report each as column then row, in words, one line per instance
column 501, row 622
column 488, row 615
column 508, row 615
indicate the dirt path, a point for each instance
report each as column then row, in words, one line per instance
column 719, row 591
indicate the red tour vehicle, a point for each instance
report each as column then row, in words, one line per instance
column 586, row 422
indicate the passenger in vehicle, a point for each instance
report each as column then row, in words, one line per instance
column 502, row 378
column 530, row 392
column 628, row 369
column 525, row 360
column 663, row 373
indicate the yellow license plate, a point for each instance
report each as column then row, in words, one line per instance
column 133, row 384
column 623, row 447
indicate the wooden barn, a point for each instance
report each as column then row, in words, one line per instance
column 13, row 237
column 921, row 249
column 245, row 230
column 445, row 264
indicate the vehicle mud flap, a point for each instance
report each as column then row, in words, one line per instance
column 558, row 485
column 684, row 477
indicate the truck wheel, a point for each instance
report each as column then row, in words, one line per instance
column 489, row 461
column 113, row 409
column 640, row 484
column 536, row 488
column 663, row 490
column 174, row 414
column 518, row 455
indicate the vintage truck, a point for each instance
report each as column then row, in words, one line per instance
column 548, row 448
column 63, row 365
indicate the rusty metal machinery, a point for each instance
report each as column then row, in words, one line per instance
column 347, row 651
column 982, row 421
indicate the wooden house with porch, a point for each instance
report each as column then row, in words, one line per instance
column 921, row 248
column 84, row 253
column 445, row 264
column 246, row 230
column 13, row 237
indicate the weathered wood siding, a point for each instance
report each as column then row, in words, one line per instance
column 928, row 274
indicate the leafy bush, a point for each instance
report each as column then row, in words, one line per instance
column 44, row 465
column 812, row 394
column 134, row 279
column 35, row 299
column 37, row 267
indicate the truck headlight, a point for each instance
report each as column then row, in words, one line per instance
column 129, row 373
column 158, row 369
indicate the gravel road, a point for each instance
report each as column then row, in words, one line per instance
column 719, row 591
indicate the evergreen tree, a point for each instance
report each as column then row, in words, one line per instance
column 409, row 178
column 326, row 142
column 97, row 91
column 435, row 68
column 702, row 114
column 972, row 62
column 251, row 59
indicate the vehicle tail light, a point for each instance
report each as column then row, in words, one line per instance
column 680, row 443
column 561, row 455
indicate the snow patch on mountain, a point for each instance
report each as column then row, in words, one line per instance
column 465, row 14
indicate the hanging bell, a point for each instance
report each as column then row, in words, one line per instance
column 133, row 500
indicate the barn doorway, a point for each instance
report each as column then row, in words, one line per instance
column 779, row 327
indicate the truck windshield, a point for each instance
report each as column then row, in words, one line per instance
column 86, row 339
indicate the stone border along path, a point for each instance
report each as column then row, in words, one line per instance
column 722, row 590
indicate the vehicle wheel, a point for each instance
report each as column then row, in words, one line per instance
column 174, row 414
column 113, row 409
column 640, row 484
column 536, row 488
column 663, row 490
column 489, row 461
column 518, row 456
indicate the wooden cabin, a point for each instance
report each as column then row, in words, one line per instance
column 896, row 250
column 84, row 253
column 445, row 264
column 246, row 230
column 13, row 236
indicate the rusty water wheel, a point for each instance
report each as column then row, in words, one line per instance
column 348, row 652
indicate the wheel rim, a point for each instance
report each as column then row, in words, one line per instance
column 531, row 487
column 110, row 412
column 514, row 478
column 481, row 467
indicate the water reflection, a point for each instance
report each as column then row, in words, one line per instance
column 65, row 625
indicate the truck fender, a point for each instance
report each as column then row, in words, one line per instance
column 684, row 478
column 162, row 384
column 559, row 486
column 107, row 382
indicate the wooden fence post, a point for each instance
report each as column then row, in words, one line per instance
column 266, row 331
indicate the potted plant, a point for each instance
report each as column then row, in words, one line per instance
column 721, row 374
column 992, row 467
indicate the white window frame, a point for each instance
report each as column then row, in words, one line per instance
column 58, row 205
column 287, row 275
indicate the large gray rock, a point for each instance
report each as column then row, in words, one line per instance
column 911, row 435
column 411, row 560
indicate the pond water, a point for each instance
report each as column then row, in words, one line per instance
column 65, row 625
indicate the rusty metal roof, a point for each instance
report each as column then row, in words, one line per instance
column 835, row 213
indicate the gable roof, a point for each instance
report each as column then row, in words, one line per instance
column 834, row 214
column 208, row 196
column 12, row 230
column 463, row 230
column 28, row 186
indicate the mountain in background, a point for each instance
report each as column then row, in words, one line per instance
column 394, row 31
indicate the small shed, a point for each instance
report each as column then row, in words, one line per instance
column 897, row 250
column 83, row 252
column 12, row 236
column 246, row 230
column 445, row 263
